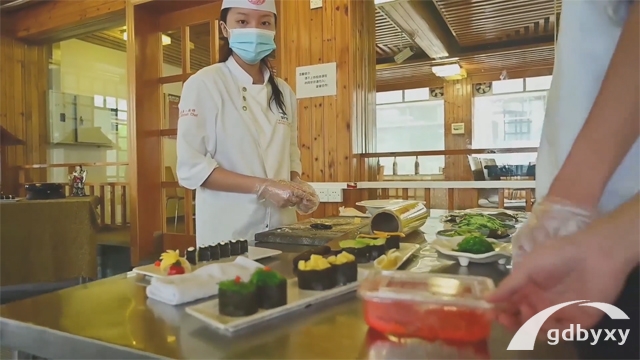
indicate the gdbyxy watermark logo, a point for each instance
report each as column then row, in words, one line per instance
column 525, row 337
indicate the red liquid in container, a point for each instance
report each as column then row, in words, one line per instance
column 428, row 306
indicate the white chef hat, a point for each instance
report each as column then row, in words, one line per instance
column 264, row 5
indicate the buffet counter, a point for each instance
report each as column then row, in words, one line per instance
column 113, row 319
column 60, row 235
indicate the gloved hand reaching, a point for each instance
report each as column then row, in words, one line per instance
column 309, row 199
column 279, row 193
column 550, row 218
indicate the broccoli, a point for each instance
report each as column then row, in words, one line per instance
column 475, row 244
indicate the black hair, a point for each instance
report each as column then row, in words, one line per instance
column 277, row 97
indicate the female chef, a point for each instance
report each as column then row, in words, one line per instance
column 237, row 135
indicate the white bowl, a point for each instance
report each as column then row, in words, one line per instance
column 374, row 206
column 501, row 254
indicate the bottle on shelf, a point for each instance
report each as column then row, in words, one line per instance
column 395, row 166
column 417, row 166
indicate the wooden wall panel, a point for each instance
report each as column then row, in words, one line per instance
column 458, row 108
column 23, row 109
column 332, row 128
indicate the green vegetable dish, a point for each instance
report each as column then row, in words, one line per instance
column 480, row 222
column 475, row 244
column 460, row 232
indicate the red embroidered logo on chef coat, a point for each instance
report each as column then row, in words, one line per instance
column 188, row 112
column 257, row 2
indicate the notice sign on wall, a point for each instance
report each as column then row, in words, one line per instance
column 316, row 80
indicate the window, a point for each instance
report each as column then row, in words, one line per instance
column 98, row 100
column 411, row 123
column 510, row 118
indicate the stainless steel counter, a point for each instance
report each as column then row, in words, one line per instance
column 113, row 319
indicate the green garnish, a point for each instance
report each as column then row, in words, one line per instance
column 237, row 285
column 380, row 241
column 475, row 244
column 480, row 221
column 358, row 243
column 266, row 277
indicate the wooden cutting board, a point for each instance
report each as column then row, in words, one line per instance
column 302, row 234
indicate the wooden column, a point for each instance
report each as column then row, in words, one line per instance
column 23, row 110
column 331, row 128
column 458, row 108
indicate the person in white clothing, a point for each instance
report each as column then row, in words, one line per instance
column 237, row 140
column 581, row 241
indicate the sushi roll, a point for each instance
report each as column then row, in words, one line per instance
column 237, row 298
column 306, row 255
column 225, row 250
column 393, row 242
column 345, row 267
column 244, row 246
column 192, row 256
column 359, row 249
column 377, row 248
column 214, row 252
column 203, row 254
column 271, row 288
column 316, row 274
column 234, row 247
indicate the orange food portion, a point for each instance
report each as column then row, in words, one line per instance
column 408, row 319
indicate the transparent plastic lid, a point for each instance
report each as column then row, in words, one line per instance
column 437, row 289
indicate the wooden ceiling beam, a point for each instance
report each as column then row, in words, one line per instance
column 425, row 26
column 58, row 20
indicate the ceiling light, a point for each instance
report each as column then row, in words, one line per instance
column 166, row 40
column 446, row 70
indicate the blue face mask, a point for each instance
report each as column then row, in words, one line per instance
column 252, row 45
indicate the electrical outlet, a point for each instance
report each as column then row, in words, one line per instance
column 334, row 195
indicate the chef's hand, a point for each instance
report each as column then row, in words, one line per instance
column 279, row 193
column 308, row 198
column 561, row 270
column 549, row 219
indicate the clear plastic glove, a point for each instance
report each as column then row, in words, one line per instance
column 549, row 219
column 308, row 198
column 281, row 194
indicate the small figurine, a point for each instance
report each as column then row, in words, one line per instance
column 77, row 180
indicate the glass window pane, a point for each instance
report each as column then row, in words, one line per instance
column 122, row 104
column 122, row 115
column 508, row 121
column 172, row 53
column 538, row 83
column 200, row 37
column 387, row 97
column 416, row 94
column 508, row 86
column 98, row 100
column 111, row 102
column 171, row 94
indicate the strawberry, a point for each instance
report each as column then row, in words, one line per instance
column 176, row 269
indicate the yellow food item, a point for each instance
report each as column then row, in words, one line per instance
column 342, row 258
column 389, row 261
column 388, row 234
column 374, row 236
column 170, row 257
column 316, row 262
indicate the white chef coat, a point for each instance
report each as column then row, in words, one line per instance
column 589, row 32
column 226, row 121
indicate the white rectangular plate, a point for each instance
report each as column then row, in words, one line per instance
column 255, row 253
column 405, row 251
column 296, row 299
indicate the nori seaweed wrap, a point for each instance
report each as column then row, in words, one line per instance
column 214, row 252
column 316, row 274
column 203, row 254
column 234, row 246
column 377, row 248
column 237, row 298
column 244, row 246
column 393, row 242
column 271, row 288
column 225, row 250
column 346, row 268
column 359, row 249
column 192, row 256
